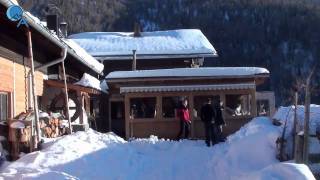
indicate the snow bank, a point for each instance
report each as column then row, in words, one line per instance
column 171, row 42
column 248, row 154
column 282, row 171
column 284, row 112
column 190, row 72
column 89, row 81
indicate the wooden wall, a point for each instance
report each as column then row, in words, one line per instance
column 143, row 64
column 13, row 80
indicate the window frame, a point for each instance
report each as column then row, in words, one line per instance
column 169, row 118
column 8, row 103
column 251, row 108
column 144, row 119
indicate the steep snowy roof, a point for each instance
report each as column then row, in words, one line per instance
column 190, row 72
column 84, row 56
column 73, row 48
column 161, row 44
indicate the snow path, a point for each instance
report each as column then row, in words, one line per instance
column 248, row 154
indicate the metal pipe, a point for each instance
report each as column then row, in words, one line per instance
column 54, row 62
column 134, row 61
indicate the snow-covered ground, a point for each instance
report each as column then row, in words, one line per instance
column 248, row 154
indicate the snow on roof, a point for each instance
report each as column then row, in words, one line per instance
column 188, row 42
column 87, row 58
column 189, row 72
column 83, row 56
column 89, row 81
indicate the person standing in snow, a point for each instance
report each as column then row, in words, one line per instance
column 218, row 122
column 185, row 122
column 207, row 117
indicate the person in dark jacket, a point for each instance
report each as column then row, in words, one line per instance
column 185, row 121
column 207, row 117
column 218, row 122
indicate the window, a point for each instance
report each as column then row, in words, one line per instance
column 169, row 106
column 142, row 108
column 199, row 101
column 238, row 105
column 3, row 106
column 263, row 108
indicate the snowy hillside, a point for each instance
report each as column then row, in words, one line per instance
column 248, row 154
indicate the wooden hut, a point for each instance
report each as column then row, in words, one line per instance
column 143, row 103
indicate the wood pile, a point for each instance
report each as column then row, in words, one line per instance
column 52, row 127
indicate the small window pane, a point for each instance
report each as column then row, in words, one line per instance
column 142, row 107
column 238, row 105
column 3, row 107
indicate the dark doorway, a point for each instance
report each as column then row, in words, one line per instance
column 118, row 118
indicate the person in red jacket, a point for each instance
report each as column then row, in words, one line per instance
column 185, row 121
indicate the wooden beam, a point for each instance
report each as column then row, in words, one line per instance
column 59, row 84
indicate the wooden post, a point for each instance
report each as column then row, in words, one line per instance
column 35, row 100
column 191, row 105
column 127, row 115
column 134, row 61
column 159, row 114
column 81, row 100
column 66, row 96
column 254, row 103
column 109, row 115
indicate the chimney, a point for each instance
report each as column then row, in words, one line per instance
column 52, row 23
column 134, row 60
column 137, row 30
column 64, row 29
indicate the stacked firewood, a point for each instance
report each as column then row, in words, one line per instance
column 52, row 127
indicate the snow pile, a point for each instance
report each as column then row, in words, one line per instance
column 17, row 125
column 172, row 42
column 87, row 58
column 190, row 72
column 284, row 112
column 282, row 171
column 248, row 154
column 89, row 81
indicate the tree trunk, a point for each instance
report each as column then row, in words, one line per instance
column 306, row 126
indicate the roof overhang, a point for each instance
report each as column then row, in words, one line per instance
column 153, row 56
column 187, row 88
column 138, row 79
column 47, row 34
